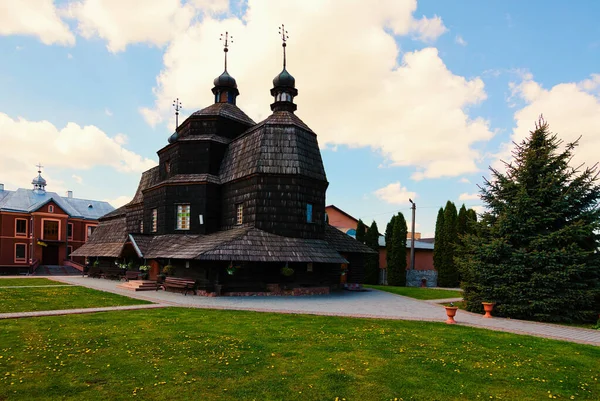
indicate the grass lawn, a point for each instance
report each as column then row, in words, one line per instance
column 181, row 354
column 13, row 282
column 417, row 292
column 54, row 298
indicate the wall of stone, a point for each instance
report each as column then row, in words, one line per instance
column 414, row 278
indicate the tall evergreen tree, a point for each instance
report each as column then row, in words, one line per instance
column 448, row 272
column 389, row 234
column 397, row 267
column 462, row 221
column 372, row 262
column 360, row 231
column 439, row 245
column 535, row 251
column 472, row 215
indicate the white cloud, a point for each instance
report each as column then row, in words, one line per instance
column 420, row 107
column 77, row 179
column 460, row 41
column 25, row 143
column 428, row 29
column 69, row 56
column 466, row 196
column 119, row 200
column 108, row 112
column 38, row 18
column 464, row 180
column 124, row 22
column 571, row 109
column 395, row 194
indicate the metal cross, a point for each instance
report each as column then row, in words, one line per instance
column 284, row 38
column 39, row 166
column 177, row 105
column 227, row 39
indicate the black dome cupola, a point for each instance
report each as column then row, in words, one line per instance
column 225, row 89
column 284, row 85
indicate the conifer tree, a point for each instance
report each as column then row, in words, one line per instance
column 360, row 231
column 447, row 271
column 461, row 223
column 389, row 234
column 397, row 267
column 535, row 251
column 438, row 248
column 372, row 262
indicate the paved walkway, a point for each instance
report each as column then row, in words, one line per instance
column 370, row 304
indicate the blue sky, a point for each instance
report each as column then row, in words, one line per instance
column 407, row 99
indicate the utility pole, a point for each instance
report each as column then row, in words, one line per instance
column 412, row 236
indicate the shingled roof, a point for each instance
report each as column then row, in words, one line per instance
column 342, row 242
column 106, row 241
column 149, row 178
column 281, row 144
column 227, row 110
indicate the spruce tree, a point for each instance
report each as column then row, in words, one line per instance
column 372, row 262
column 461, row 223
column 360, row 231
column 438, row 246
column 397, row 267
column 447, row 271
column 535, row 251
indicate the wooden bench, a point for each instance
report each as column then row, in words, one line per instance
column 94, row 272
column 181, row 283
column 113, row 273
column 133, row 275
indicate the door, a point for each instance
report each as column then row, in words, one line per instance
column 50, row 255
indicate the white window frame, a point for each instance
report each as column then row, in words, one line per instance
column 154, row 220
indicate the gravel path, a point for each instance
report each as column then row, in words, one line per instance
column 369, row 304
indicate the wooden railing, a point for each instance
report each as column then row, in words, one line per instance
column 73, row 264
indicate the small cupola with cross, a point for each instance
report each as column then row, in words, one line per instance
column 284, row 85
column 225, row 89
column 39, row 183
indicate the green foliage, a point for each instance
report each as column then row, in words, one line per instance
column 360, row 231
column 396, row 270
column 535, row 251
column 389, row 234
column 439, row 246
column 372, row 261
column 447, row 269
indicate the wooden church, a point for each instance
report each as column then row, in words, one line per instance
column 236, row 205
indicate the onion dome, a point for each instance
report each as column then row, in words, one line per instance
column 225, row 80
column 173, row 138
column 39, row 183
column 284, row 79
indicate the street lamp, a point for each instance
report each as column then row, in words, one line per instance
column 412, row 236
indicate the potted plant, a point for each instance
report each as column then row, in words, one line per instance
column 96, row 263
column 451, row 312
column 286, row 270
column 144, row 269
column 488, row 307
column 168, row 270
column 231, row 269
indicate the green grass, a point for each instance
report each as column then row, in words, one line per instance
column 13, row 282
column 418, row 293
column 55, row 298
column 180, row 354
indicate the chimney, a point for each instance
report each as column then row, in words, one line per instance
column 1, row 187
column 69, row 194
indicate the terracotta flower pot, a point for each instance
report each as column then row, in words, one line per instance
column 451, row 312
column 488, row 307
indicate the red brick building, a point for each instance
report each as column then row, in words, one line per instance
column 423, row 246
column 43, row 228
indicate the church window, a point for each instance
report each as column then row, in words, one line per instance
column 50, row 209
column 240, row 213
column 183, row 217
column 20, row 251
column 51, row 230
column 309, row 213
column 21, row 229
column 142, row 226
column 154, row 220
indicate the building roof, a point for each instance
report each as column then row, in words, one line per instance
column 106, row 241
column 281, row 144
column 341, row 211
column 27, row 201
column 149, row 178
column 418, row 244
column 342, row 242
column 226, row 110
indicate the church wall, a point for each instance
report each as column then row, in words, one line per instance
column 282, row 204
column 135, row 214
column 244, row 192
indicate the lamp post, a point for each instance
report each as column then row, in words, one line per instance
column 412, row 236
